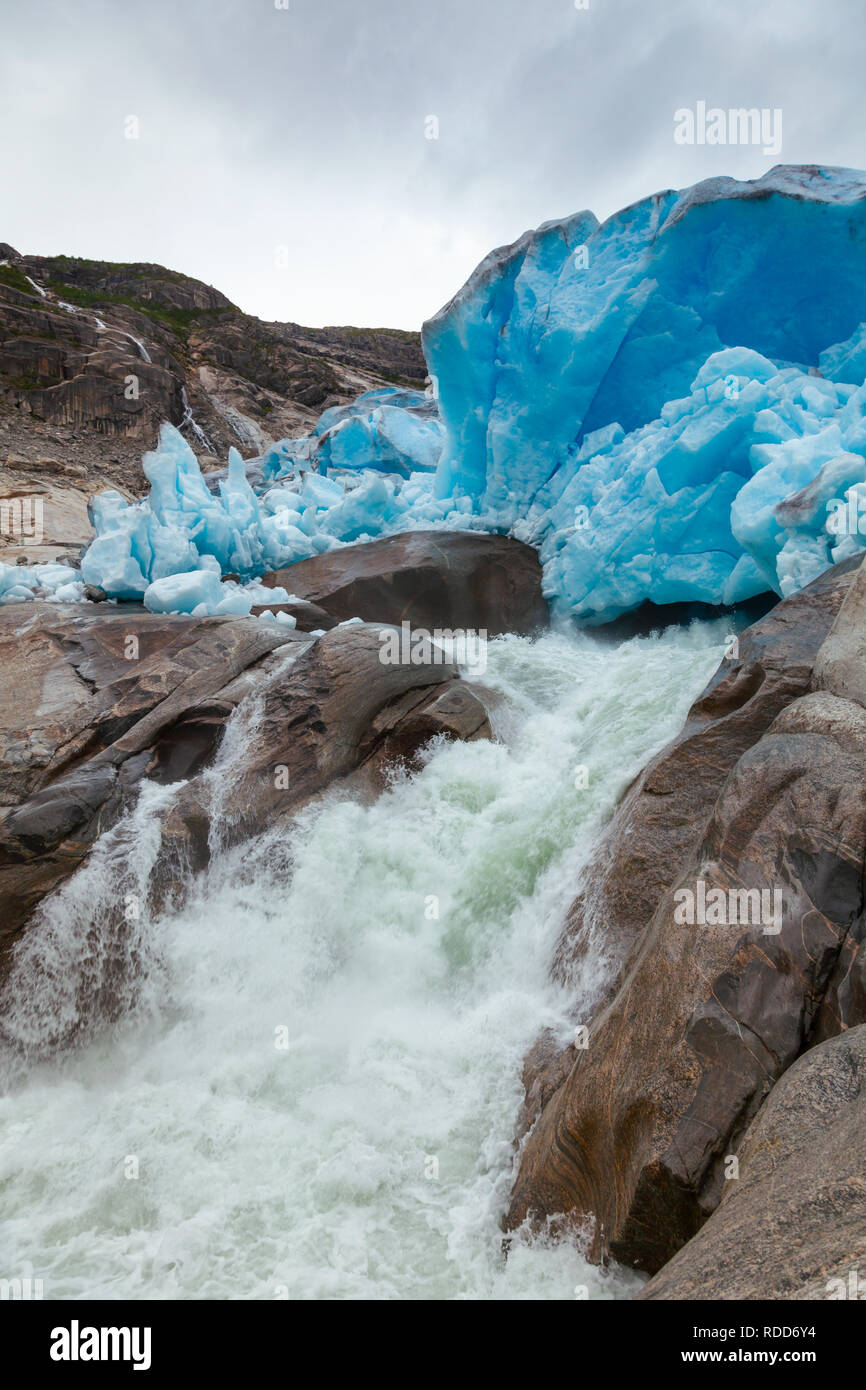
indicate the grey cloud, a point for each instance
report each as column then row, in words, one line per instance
column 263, row 127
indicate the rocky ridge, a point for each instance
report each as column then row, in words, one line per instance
column 95, row 355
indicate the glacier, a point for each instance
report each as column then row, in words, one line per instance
column 57, row 582
column 670, row 405
column 638, row 398
column 187, row 549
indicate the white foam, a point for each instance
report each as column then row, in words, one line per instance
column 308, row 1172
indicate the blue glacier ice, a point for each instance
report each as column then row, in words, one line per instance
column 669, row 405
column 174, row 548
column 391, row 430
column 56, row 582
column 640, row 398
column 394, row 431
column 182, row 527
column 689, row 506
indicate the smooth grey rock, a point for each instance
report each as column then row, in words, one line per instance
column 793, row 1224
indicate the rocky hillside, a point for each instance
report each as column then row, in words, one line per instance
column 94, row 355
column 708, row 1113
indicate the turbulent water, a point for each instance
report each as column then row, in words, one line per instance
column 312, row 1087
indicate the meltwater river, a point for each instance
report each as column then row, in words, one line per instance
column 313, row 1088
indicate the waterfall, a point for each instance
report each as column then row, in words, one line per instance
column 89, row 955
column 190, row 421
column 102, row 327
column 143, row 352
column 98, row 323
column 304, row 1081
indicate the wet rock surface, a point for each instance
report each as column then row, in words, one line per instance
column 792, row 1224
column 103, row 697
column 764, row 791
column 429, row 579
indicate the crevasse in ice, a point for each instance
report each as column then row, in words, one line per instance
column 669, row 405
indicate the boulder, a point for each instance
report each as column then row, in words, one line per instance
column 662, row 816
column 792, row 1221
column 840, row 665
column 338, row 707
column 431, row 579
column 104, row 696
column 308, row 616
column 453, row 710
column 94, row 688
column 763, row 792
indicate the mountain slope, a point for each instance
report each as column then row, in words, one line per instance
column 94, row 355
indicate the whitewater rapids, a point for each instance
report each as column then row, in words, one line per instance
column 312, row 1087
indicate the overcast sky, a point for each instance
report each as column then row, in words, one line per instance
column 282, row 154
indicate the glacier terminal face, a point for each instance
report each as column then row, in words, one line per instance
column 638, row 397
column 670, row 405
